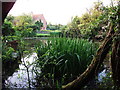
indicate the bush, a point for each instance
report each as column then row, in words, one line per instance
column 11, row 57
column 61, row 60
column 55, row 34
column 7, row 29
column 28, row 32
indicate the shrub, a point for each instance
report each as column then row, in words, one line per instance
column 28, row 32
column 7, row 29
column 55, row 34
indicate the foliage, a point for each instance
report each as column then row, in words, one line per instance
column 7, row 49
column 7, row 53
column 73, row 30
column 56, row 27
column 108, row 43
column 7, row 28
column 10, row 56
column 23, row 20
column 38, row 25
column 24, row 25
column 52, row 27
column 10, row 18
column 55, row 34
column 89, row 24
column 7, row 39
column 62, row 60
column 28, row 33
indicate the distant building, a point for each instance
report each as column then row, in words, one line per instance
column 39, row 17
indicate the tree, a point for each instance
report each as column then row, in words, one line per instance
column 73, row 29
column 23, row 20
column 112, row 40
column 10, row 18
column 25, row 25
column 52, row 27
column 55, row 27
column 86, row 24
column 7, row 28
column 38, row 25
column 93, row 68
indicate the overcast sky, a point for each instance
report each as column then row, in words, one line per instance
column 54, row 11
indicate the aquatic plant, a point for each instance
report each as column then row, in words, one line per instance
column 61, row 60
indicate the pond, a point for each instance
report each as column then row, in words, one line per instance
column 19, row 79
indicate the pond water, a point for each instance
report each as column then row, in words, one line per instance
column 101, row 75
column 19, row 79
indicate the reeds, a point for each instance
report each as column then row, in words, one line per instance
column 64, row 58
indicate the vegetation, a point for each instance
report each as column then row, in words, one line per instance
column 22, row 26
column 112, row 40
column 56, row 27
column 42, row 35
column 11, row 57
column 8, row 29
column 91, row 25
column 72, row 60
column 62, row 60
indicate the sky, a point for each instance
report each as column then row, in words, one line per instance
column 54, row 11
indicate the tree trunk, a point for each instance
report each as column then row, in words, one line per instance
column 115, row 57
column 115, row 63
column 93, row 68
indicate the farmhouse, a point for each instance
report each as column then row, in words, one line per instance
column 38, row 17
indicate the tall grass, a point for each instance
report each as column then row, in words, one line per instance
column 62, row 59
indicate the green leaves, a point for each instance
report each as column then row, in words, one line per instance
column 7, row 53
column 23, row 20
column 38, row 25
column 64, row 56
column 7, row 28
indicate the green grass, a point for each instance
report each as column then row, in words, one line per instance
column 52, row 30
column 50, row 33
column 42, row 35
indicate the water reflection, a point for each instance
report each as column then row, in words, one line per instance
column 20, row 78
column 101, row 75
